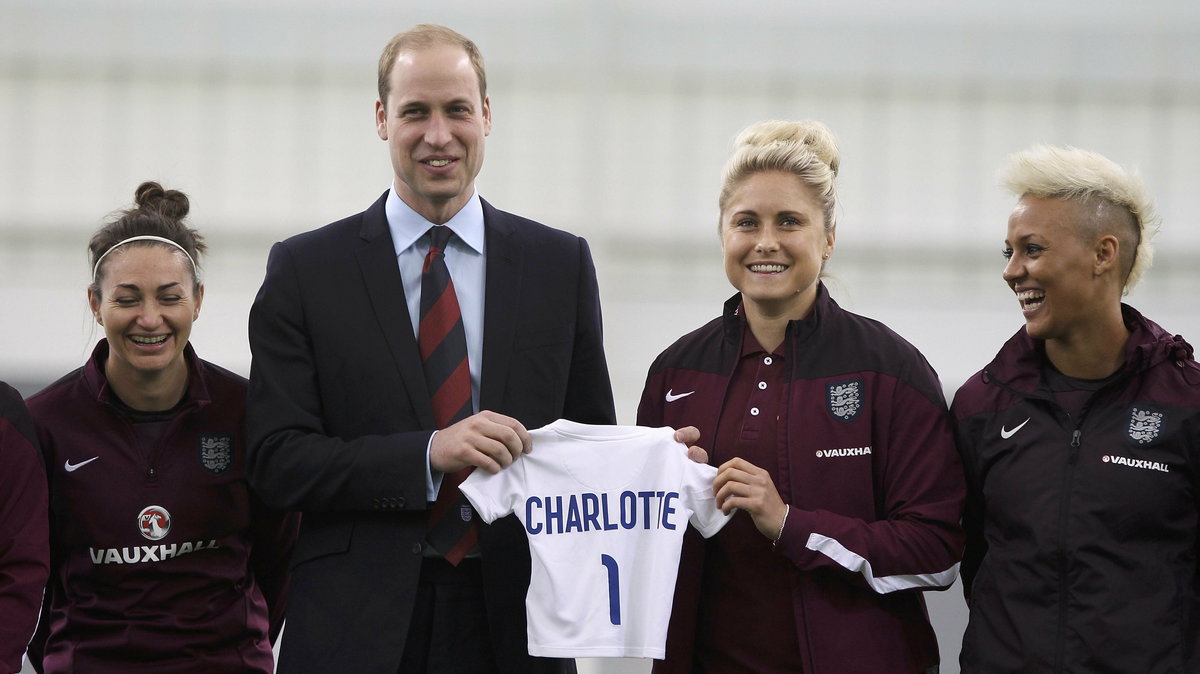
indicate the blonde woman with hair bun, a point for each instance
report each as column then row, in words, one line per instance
column 1081, row 442
column 831, row 439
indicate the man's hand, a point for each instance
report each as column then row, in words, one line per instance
column 487, row 440
column 687, row 435
column 743, row 485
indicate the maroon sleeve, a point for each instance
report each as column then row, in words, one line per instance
column 917, row 543
column 273, row 536
column 650, row 409
column 24, row 529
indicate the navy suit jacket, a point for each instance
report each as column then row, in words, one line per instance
column 339, row 418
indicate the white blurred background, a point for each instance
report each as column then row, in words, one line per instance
column 612, row 120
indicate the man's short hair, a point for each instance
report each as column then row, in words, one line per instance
column 423, row 36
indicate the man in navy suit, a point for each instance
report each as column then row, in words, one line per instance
column 341, row 421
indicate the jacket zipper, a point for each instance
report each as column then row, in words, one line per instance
column 1131, row 366
column 1064, row 562
column 146, row 459
column 1060, row 647
column 1063, row 506
column 154, row 453
column 174, row 427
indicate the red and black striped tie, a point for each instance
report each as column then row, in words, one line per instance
column 443, row 343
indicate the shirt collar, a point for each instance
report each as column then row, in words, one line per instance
column 406, row 225
column 97, row 380
column 750, row 345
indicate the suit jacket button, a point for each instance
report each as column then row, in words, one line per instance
column 375, row 503
column 400, row 502
column 416, row 548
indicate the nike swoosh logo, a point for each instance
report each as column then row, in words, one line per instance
column 672, row 397
column 72, row 467
column 1006, row 434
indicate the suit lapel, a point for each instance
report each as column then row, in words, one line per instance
column 381, row 275
column 501, row 303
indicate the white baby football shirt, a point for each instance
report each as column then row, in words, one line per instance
column 604, row 508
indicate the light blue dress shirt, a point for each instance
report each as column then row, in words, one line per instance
column 467, row 264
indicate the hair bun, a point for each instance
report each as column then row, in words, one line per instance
column 814, row 134
column 151, row 197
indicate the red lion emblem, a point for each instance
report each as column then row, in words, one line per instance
column 154, row 522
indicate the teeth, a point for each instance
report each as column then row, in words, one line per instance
column 767, row 268
column 1029, row 298
column 438, row 162
column 148, row 340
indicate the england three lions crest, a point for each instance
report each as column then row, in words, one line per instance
column 845, row 399
column 1144, row 425
column 216, row 453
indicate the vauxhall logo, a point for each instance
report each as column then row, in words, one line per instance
column 154, row 524
column 140, row 554
column 846, row 451
column 1136, row 463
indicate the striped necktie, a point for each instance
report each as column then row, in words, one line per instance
column 443, row 343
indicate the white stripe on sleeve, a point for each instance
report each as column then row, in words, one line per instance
column 853, row 562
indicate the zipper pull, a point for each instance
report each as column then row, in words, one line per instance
column 1075, row 437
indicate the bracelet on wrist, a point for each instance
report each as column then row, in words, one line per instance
column 781, row 526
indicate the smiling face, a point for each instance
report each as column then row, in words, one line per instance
column 775, row 244
column 434, row 122
column 146, row 305
column 1062, row 281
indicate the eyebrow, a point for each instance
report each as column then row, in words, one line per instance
column 422, row 103
column 750, row 211
column 134, row 286
column 1020, row 239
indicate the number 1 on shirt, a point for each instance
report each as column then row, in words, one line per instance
column 614, row 589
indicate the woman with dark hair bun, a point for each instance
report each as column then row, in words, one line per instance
column 162, row 560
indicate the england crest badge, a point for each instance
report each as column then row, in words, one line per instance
column 845, row 399
column 1144, row 425
column 216, row 453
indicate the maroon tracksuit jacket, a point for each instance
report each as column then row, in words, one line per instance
column 1083, row 530
column 161, row 561
column 867, row 463
column 24, row 542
